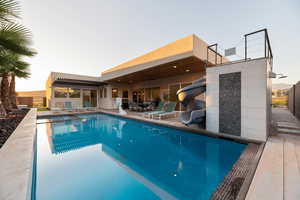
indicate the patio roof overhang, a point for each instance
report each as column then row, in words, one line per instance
column 187, row 55
column 65, row 81
column 182, row 66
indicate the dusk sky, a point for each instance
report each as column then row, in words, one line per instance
column 87, row 37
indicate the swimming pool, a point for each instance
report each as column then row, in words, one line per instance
column 107, row 157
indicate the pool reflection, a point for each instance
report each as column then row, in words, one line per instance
column 171, row 163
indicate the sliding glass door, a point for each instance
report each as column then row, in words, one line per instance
column 89, row 98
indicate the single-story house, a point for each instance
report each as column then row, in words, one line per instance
column 157, row 74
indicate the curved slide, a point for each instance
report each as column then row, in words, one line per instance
column 195, row 113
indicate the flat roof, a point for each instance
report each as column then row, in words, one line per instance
column 189, row 46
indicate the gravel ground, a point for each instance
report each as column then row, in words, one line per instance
column 8, row 125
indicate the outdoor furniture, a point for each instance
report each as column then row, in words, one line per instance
column 169, row 111
column 158, row 109
column 77, row 107
column 88, row 106
column 68, row 106
column 134, row 107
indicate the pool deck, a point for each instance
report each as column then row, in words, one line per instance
column 278, row 173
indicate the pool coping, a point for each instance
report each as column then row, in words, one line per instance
column 249, row 158
column 198, row 130
column 16, row 158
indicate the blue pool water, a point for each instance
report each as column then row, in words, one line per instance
column 106, row 157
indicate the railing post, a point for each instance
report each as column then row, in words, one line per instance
column 216, row 55
column 245, row 47
column 265, row 43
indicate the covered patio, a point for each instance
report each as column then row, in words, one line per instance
column 159, row 74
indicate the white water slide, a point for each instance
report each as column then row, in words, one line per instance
column 195, row 113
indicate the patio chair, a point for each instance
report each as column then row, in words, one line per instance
column 170, row 110
column 158, row 109
column 133, row 107
column 58, row 107
column 68, row 106
column 77, row 107
column 88, row 106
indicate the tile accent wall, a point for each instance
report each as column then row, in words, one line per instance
column 230, row 103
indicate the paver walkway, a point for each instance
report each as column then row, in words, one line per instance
column 278, row 172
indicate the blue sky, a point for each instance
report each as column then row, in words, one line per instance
column 87, row 37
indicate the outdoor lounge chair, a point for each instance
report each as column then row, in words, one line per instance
column 158, row 109
column 169, row 111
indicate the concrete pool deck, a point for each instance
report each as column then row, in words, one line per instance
column 16, row 158
column 278, row 172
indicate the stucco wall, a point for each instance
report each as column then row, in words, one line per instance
column 255, row 97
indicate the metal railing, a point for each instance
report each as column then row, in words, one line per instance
column 267, row 47
column 246, row 46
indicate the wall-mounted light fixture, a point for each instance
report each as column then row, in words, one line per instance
column 274, row 75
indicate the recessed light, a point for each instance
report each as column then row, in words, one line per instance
column 174, row 66
column 187, row 70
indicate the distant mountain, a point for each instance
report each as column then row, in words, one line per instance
column 281, row 86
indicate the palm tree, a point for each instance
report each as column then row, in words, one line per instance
column 20, row 70
column 15, row 40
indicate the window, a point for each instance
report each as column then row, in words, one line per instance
column 148, row 96
column 60, row 92
column 105, row 92
column 114, row 92
column 152, row 94
column 101, row 92
column 125, row 94
column 74, row 93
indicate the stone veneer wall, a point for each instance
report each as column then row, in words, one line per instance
column 230, row 103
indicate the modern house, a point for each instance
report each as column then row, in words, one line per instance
column 157, row 74
column 238, row 94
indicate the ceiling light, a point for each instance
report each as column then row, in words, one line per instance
column 187, row 70
column 174, row 66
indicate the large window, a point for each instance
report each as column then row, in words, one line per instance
column 74, row 93
column 114, row 93
column 60, row 92
column 152, row 93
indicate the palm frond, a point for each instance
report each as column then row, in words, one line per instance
column 16, row 38
column 9, row 9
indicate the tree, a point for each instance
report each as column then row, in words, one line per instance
column 20, row 70
column 15, row 40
